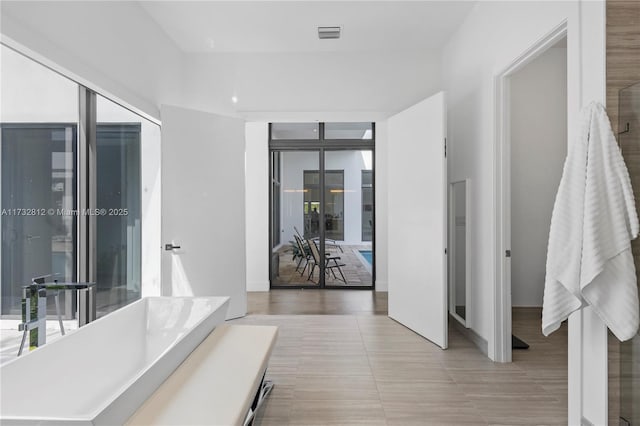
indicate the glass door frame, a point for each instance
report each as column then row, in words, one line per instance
column 320, row 145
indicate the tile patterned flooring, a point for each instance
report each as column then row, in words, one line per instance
column 317, row 302
column 363, row 368
column 339, row 360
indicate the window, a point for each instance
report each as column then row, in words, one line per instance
column 71, row 190
column 331, row 135
column 348, row 131
column 275, row 198
column 334, row 204
column 367, row 205
column 39, row 154
column 118, row 191
column 295, row 131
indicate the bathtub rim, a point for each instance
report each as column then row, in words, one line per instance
column 89, row 417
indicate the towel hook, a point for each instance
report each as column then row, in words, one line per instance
column 627, row 128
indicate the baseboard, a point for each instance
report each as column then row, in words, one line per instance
column 585, row 422
column 382, row 285
column 257, row 286
column 470, row 334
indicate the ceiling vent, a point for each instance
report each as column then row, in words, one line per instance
column 328, row 32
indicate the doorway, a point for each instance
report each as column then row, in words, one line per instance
column 531, row 150
column 322, row 207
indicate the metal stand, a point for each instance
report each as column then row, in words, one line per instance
column 263, row 391
column 57, row 299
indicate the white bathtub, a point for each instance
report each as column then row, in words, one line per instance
column 101, row 373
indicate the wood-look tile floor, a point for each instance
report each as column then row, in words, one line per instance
column 366, row 369
column 317, row 302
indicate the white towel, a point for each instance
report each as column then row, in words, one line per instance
column 594, row 219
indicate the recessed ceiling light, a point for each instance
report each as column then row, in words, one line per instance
column 234, row 99
column 328, row 32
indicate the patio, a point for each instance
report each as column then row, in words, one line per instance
column 357, row 270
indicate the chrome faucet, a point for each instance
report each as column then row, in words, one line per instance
column 34, row 313
column 34, row 307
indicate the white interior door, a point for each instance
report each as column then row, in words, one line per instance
column 203, row 206
column 417, row 219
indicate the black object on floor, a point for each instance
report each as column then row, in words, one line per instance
column 518, row 344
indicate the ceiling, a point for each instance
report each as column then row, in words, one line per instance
column 291, row 26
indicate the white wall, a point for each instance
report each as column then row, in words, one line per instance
column 114, row 47
column 257, row 205
column 493, row 35
column 538, row 149
column 33, row 93
column 381, row 207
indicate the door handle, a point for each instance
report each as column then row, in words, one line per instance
column 170, row 246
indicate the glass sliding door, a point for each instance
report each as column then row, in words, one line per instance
column 295, row 219
column 39, row 154
column 344, row 212
column 322, row 205
column 118, row 192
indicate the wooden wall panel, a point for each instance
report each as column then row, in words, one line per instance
column 623, row 70
column 623, row 51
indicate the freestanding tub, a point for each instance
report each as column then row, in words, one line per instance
column 101, row 373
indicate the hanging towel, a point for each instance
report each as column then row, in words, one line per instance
column 594, row 219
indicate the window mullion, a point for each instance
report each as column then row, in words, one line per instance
column 87, row 202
